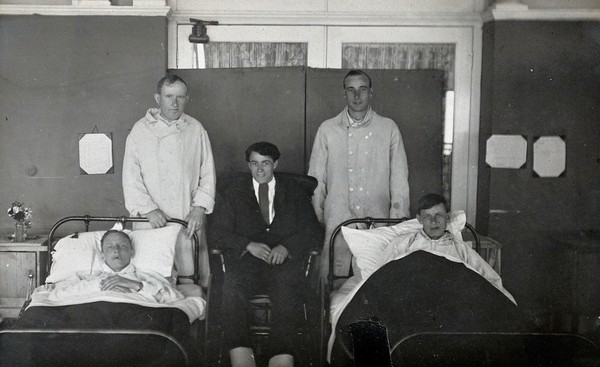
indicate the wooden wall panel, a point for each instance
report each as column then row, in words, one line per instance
column 239, row 107
column 64, row 75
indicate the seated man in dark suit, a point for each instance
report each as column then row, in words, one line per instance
column 265, row 228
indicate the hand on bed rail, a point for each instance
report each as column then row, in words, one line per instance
column 157, row 218
column 195, row 220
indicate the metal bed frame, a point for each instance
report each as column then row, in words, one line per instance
column 105, row 333
column 332, row 277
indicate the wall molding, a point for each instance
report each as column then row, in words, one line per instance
column 331, row 18
column 496, row 14
column 89, row 10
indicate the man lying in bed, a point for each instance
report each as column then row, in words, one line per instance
column 118, row 275
column 429, row 280
column 119, row 296
column 432, row 213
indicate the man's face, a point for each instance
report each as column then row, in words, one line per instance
column 172, row 100
column 117, row 251
column 262, row 167
column 358, row 93
column 434, row 221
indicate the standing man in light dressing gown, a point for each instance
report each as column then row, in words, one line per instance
column 359, row 161
column 169, row 171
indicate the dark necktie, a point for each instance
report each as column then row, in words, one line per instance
column 263, row 201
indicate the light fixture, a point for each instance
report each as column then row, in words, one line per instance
column 199, row 30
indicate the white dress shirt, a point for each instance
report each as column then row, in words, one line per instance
column 271, row 196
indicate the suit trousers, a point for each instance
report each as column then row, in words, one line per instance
column 285, row 284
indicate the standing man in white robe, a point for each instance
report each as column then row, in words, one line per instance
column 358, row 158
column 169, row 171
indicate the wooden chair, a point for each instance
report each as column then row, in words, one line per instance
column 489, row 249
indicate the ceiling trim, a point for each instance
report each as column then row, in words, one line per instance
column 541, row 14
column 331, row 18
column 70, row 10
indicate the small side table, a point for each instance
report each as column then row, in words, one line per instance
column 22, row 267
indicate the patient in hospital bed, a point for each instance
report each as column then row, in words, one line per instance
column 118, row 274
column 109, row 289
column 420, row 276
column 434, row 237
column 114, row 278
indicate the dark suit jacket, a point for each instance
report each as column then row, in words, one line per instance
column 237, row 221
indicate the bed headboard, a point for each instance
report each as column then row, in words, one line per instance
column 87, row 219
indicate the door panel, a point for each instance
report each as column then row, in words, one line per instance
column 241, row 106
column 286, row 106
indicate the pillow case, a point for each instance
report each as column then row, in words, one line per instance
column 368, row 245
column 154, row 250
column 74, row 254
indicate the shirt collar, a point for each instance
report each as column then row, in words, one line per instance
column 352, row 122
column 270, row 183
column 153, row 117
column 126, row 270
column 446, row 235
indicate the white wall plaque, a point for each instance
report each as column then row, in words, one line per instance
column 95, row 154
column 506, row 151
column 549, row 156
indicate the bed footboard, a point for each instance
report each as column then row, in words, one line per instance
column 495, row 349
column 93, row 347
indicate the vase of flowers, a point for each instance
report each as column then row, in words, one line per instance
column 22, row 217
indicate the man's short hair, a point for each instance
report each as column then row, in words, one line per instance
column 115, row 231
column 263, row 148
column 168, row 80
column 356, row 72
column 430, row 200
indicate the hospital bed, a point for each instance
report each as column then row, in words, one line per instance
column 425, row 310
column 170, row 334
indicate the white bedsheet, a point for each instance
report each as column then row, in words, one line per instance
column 194, row 307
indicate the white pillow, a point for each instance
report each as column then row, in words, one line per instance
column 456, row 222
column 368, row 245
column 154, row 250
column 74, row 255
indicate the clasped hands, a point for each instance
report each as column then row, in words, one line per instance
column 119, row 284
column 273, row 256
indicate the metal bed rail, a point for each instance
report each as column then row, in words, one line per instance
column 108, row 334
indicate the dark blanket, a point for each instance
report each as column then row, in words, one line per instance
column 423, row 292
column 99, row 349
